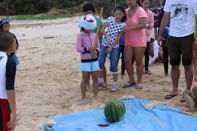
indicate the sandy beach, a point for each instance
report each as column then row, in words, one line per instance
column 48, row 77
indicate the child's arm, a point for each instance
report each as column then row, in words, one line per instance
column 100, row 33
column 115, row 43
column 10, row 80
column 95, row 51
column 80, row 47
column 117, row 40
column 98, row 45
column 12, row 103
column 105, row 25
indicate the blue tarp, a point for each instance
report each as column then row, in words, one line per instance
column 137, row 118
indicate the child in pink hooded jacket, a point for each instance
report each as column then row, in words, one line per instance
column 89, row 54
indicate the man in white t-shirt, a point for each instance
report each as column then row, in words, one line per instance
column 180, row 40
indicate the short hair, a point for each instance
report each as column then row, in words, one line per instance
column 88, row 7
column 6, row 39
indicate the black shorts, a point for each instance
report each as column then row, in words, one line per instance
column 180, row 47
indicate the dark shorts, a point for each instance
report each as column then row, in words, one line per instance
column 4, row 114
column 180, row 47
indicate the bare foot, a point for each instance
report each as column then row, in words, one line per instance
column 84, row 99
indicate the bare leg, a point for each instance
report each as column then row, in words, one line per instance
column 139, row 53
column 88, row 84
column 189, row 76
column 84, row 82
column 104, row 76
column 95, row 83
column 115, row 76
column 195, row 64
column 128, row 55
column 175, row 74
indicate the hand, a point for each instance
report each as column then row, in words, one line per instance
column 108, row 41
column 160, row 43
column 91, row 48
column 195, row 45
column 126, row 28
column 159, row 39
column 100, row 35
column 94, row 53
column 12, row 123
column 108, row 50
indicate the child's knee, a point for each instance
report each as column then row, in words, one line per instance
column 85, row 80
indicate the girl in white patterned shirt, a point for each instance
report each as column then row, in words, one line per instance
column 111, row 40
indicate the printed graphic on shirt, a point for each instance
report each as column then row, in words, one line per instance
column 1, row 57
column 180, row 12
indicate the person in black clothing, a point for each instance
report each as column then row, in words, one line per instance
column 5, row 27
column 164, row 42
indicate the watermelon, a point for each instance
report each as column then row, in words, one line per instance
column 114, row 110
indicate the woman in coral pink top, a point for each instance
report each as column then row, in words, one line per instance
column 135, row 41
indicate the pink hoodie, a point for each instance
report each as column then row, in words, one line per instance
column 84, row 41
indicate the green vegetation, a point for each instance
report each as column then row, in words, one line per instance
column 38, row 17
column 24, row 7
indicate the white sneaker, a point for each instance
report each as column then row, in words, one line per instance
column 114, row 89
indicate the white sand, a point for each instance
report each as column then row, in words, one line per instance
column 48, row 78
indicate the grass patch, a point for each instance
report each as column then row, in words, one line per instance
column 38, row 17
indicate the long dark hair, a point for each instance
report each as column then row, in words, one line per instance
column 138, row 3
column 121, row 8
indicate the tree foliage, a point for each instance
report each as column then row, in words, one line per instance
column 15, row 7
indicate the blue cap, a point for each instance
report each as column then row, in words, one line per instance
column 4, row 21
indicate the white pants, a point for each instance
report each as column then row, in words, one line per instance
column 155, row 52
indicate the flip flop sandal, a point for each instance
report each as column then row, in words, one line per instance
column 169, row 96
column 128, row 84
column 139, row 86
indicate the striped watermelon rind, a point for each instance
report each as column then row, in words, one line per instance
column 114, row 110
